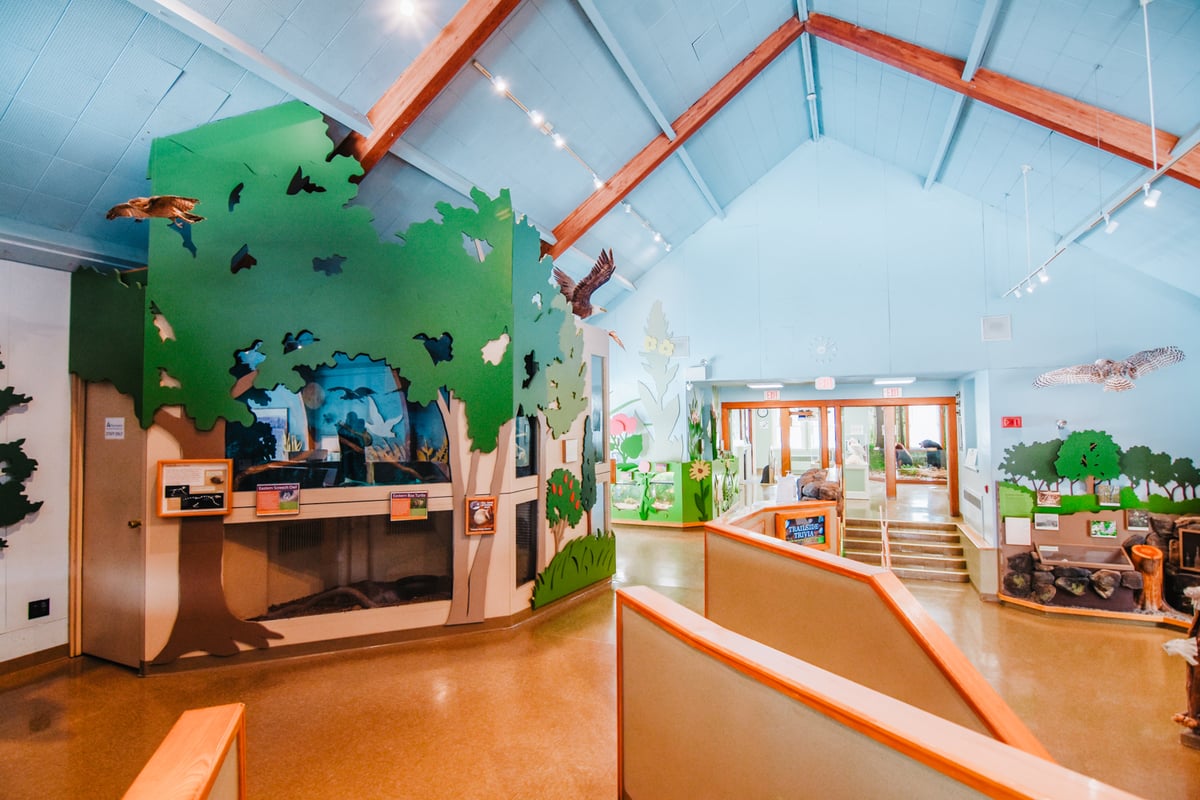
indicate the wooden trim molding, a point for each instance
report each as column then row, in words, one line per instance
column 425, row 78
column 579, row 221
column 976, row 692
column 984, row 764
column 190, row 758
column 1081, row 121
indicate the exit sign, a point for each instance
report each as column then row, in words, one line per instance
column 1010, row 422
column 893, row 391
column 771, row 394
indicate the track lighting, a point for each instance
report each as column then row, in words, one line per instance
column 537, row 119
column 1110, row 224
column 1043, row 276
column 500, row 85
column 1152, row 195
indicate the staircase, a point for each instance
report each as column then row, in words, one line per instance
column 919, row 550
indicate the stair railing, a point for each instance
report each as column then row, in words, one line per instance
column 885, row 548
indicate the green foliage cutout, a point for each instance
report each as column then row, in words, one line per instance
column 584, row 561
column 294, row 255
column 662, row 412
column 1094, row 454
column 15, row 469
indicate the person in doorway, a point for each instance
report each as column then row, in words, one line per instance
column 903, row 458
column 933, row 453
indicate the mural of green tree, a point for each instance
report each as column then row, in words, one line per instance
column 1035, row 462
column 15, row 468
column 564, row 503
column 1088, row 454
column 282, row 253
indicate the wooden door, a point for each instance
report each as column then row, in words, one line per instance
column 113, row 546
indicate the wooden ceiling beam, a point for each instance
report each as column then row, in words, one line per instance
column 1081, row 121
column 426, row 76
column 661, row 148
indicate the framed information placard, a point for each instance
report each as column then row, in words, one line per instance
column 812, row 524
column 195, row 487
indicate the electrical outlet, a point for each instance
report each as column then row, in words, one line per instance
column 39, row 608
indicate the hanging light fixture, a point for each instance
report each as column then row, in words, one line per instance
column 1152, row 195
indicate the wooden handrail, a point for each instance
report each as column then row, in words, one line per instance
column 995, row 714
column 190, row 759
column 986, row 765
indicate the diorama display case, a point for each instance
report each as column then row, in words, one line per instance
column 670, row 493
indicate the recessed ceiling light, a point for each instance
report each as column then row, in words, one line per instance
column 893, row 381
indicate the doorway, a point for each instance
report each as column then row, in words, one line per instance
column 877, row 445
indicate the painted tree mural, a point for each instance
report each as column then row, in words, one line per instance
column 1034, row 462
column 1088, row 456
column 15, row 468
column 283, row 258
column 564, row 503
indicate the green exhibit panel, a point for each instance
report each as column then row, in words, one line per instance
column 670, row 493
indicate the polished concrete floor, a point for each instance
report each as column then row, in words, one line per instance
column 529, row 712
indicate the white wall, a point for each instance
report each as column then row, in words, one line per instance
column 34, row 313
column 836, row 244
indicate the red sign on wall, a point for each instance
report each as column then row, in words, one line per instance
column 1010, row 422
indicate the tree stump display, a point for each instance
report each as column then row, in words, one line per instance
column 1148, row 560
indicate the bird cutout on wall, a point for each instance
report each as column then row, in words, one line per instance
column 1117, row 376
column 361, row 393
column 579, row 295
column 242, row 260
column 301, row 183
column 166, row 206
column 235, row 196
column 330, row 266
column 439, row 349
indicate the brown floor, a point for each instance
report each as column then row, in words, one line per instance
column 530, row 712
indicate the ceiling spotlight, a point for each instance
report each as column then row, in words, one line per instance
column 1043, row 276
column 657, row 236
column 1017, row 291
column 407, row 8
column 599, row 184
column 499, row 84
column 1152, row 196
column 1110, row 224
column 1029, row 286
column 537, row 118
column 559, row 141
column 628, row 208
column 668, row 247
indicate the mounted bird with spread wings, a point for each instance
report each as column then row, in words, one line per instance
column 166, row 206
column 579, row 295
column 1117, row 376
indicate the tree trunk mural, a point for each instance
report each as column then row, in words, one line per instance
column 204, row 621
column 468, row 603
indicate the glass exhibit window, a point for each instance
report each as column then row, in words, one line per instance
column 284, row 568
column 351, row 424
column 525, row 430
column 526, row 550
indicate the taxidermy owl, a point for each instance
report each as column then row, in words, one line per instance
column 167, row 206
column 1117, row 376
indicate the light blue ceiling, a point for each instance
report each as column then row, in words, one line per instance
column 85, row 85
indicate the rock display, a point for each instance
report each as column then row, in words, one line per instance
column 1132, row 580
column 1074, row 585
column 1105, row 582
column 1021, row 562
column 1018, row 584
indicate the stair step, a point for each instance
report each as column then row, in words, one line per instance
column 909, row 535
column 920, row 574
column 905, row 560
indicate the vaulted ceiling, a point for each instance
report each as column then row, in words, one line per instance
column 667, row 109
